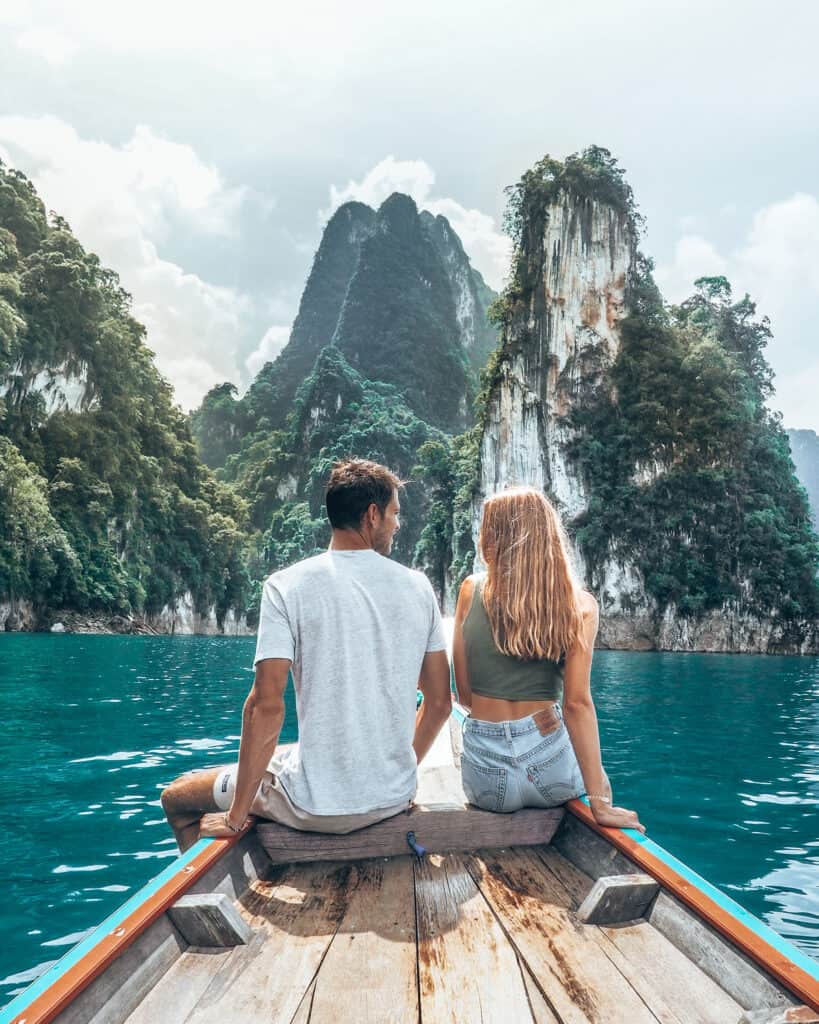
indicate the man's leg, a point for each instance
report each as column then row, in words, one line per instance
column 186, row 799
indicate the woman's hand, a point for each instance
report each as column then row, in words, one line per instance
column 615, row 817
column 214, row 826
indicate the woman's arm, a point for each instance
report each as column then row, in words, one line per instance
column 458, row 649
column 581, row 722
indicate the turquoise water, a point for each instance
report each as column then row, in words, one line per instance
column 719, row 754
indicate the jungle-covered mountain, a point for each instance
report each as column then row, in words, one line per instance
column 105, row 505
column 384, row 357
column 647, row 424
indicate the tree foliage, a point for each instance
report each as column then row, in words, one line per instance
column 690, row 474
column 118, row 513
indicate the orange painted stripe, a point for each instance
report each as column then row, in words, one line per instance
column 67, row 987
column 772, row 960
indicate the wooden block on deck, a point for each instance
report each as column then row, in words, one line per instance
column 210, row 919
column 618, row 898
column 439, row 828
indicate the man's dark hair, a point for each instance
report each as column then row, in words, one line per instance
column 353, row 486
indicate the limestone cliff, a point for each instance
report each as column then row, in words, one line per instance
column 557, row 346
column 647, row 428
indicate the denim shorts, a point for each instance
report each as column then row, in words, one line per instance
column 509, row 765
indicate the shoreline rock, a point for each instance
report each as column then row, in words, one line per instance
column 183, row 620
column 724, row 631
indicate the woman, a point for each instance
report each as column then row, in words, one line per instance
column 524, row 637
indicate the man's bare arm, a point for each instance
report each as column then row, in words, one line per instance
column 437, row 705
column 262, row 719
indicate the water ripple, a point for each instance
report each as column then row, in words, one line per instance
column 719, row 754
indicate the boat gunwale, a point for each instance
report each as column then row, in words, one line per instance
column 792, row 968
column 57, row 987
column 766, row 947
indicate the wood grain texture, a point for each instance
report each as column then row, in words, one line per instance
column 179, row 991
column 441, row 829
column 542, row 1012
column 717, row 957
column 665, row 977
column 111, row 997
column 739, row 976
column 75, row 991
column 209, row 919
column 674, row 987
column 294, row 916
column 744, row 936
column 369, row 973
column 574, row 975
column 468, row 971
column 617, row 898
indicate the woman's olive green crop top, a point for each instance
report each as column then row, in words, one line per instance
column 493, row 674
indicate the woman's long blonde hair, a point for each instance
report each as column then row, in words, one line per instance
column 530, row 594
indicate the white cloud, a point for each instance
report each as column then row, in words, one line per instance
column 122, row 202
column 778, row 266
column 488, row 249
column 796, row 397
column 273, row 341
column 413, row 177
column 694, row 256
column 780, row 261
column 53, row 46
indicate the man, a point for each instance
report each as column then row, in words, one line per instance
column 359, row 632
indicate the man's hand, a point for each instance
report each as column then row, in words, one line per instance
column 214, row 826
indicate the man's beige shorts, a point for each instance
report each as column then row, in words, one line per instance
column 272, row 802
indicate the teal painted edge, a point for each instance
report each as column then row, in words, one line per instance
column 459, row 714
column 76, row 953
column 774, row 939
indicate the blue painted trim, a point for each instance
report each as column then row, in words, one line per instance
column 74, row 955
column 459, row 714
column 774, row 939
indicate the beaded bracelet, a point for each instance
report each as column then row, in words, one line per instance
column 602, row 799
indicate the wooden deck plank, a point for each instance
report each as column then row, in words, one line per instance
column 440, row 784
column 541, row 1012
column 574, row 974
column 577, row 883
column 369, row 973
column 302, row 1014
column 295, row 916
column 181, row 988
column 665, row 976
column 725, row 947
column 676, row 989
column 468, row 971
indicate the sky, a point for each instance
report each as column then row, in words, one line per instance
column 199, row 148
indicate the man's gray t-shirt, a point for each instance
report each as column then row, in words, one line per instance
column 356, row 627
